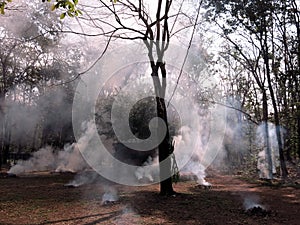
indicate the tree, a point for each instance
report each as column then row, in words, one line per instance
column 155, row 32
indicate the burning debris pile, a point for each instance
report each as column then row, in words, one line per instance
column 258, row 211
column 207, row 186
column 110, row 196
column 254, row 208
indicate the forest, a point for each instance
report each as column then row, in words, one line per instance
column 168, row 102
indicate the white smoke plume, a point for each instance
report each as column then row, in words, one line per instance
column 252, row 201
column 42, row 160
column 67, row 160
column 194, row 137
column 70, row 159
column 83, row 177
column 145, row 172
column 110, row 195
column 47, row 159
column 128, row 216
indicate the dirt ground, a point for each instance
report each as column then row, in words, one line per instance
column 44, row 199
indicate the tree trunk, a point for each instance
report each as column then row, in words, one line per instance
column 6, row 147
column 288, row 150
column 164, row 148
column 276, row 114
column 296, row 71
column 298, row 131
column 268, row 152
column 0, row 160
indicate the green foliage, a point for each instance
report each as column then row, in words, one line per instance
column 70, row 8
column 2, row 5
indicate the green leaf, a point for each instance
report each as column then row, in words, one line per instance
column 2, row 8
column 79, row 11
column 70, row 5
column 70, row 14
column 53, row 7
column 62, row 16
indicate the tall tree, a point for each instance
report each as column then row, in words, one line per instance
column 131, row 20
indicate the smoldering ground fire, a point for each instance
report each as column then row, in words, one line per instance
column 253, row 207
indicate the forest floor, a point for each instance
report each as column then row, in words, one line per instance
column 44, row 199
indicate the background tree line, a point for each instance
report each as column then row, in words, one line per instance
column 260, row 63
column 35, row 103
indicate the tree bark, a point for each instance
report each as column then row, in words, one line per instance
column 273, row 100
column 164, row 148
column 268, row 152
column 166, row 187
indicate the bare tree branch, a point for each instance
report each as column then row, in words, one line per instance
column 187, row 52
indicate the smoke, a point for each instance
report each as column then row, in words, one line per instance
column 47, row 159
column 110, row 195
column 128, row 216
column 194, row 137
column 69, row 159
column 42, row 160
column 252, row 201
column 236, row 142
column 83, row 177
column 147, row 173
column 194, row 169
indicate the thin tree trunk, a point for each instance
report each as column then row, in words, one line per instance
column 276, row 115
column 166, row 187
column 296, row 22
column 6, row 146
column 164, row 148
column 0, row 160
column 268, row 152
column 298, row 130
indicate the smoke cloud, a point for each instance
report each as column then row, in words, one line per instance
column 47, row 159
